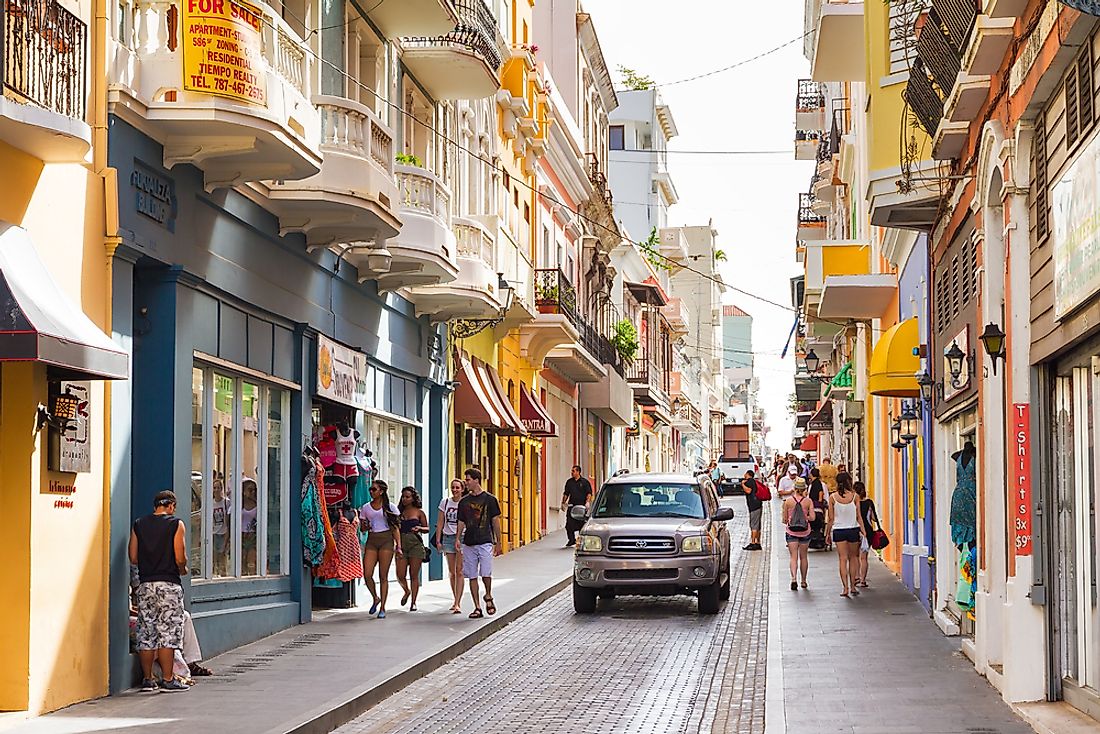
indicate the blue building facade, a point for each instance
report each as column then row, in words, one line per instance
column 226, row 319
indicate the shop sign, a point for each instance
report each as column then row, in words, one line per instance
column 1076, row 240
column 223, row 50
column 154, row 196
column 1021, row 478
column 341, row 373
column 73, row 453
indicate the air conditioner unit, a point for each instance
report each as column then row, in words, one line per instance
column 851, row 411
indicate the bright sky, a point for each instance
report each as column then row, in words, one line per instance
column 753, row 199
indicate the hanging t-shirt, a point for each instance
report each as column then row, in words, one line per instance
column 449, row 509
column 345, row 447
column 219, row 515
column 477, row 511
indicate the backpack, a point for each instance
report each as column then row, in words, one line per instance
column 797, row 522
column 762, row 492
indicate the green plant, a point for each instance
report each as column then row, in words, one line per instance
column 409, row 159
column 634, row 80
column 625, row 339
column 720, row 256
column 548, row 292
column 651, row 251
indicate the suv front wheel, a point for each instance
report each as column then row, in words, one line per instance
column 709, row 597
column 584, row 600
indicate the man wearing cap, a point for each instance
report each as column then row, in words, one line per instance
column 158, row 548
column 786, row 484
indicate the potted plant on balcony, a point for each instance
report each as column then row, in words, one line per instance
column 546, row 298
column 409, row 159
column 625, row 339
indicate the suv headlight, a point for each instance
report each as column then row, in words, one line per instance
column 696, row 544
column 591, row 543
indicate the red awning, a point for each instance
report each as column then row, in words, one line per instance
column 809, row 443
column 534, row 416
column 472, row 402
column 491, row 382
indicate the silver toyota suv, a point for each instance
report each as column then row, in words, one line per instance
column 653, row 534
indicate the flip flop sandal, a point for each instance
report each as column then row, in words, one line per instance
column 476, row 614
column 198, row 670
column 490, row 607
column 456, row 611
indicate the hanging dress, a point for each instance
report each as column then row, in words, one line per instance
column 313, row 526
column 330, row 537
column 350, row 565
column 964, row 529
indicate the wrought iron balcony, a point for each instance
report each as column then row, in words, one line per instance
column 958, row 18
column 555, row 294
column 940, row 55
column 806, row 213
column 811, row 95
column 598, row 178
column 462, row 64
column 841, row 125
column 923, row 99
column 44, row 48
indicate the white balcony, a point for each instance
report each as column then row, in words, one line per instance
column 423, row 251
column 673, row 243
column 611, row 398
column 836, row 41
column 1003, row 8
column 988, row 46
column 966, row 98
column 676, row 314
column 277, row 137
column 806, row 145
column 859, row 297
column 413, row 17
column 463, row 63
column 473, row 293
column 353, row 197
column 950, row 140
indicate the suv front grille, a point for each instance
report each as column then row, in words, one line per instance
column 641, row 574
column 641, row 545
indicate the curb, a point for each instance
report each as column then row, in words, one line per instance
column 338, row 712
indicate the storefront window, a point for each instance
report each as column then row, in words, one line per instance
column 393, row 446
column 244, row 500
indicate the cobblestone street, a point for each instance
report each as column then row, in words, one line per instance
column 638, row 665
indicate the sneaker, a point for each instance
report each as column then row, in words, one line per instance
column 149, row 686
column 172, row 686
column 570, row 543
column 382, row 614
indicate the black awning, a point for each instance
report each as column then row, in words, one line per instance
column 39, row 323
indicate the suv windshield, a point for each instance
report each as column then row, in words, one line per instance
column 648, row 499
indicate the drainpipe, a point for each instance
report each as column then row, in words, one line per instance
column 930, row 416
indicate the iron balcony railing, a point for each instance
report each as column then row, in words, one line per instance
column 922, row 98
column 555, row 294
column 476, row 31
column 598, row 178
column 811, row 95
column 841, row 125
column 44, row 49
column 806, row 213
column 940, row 56
column 958, row 18
column 651, row 365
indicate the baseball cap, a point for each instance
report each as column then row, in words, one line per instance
column 792, row 470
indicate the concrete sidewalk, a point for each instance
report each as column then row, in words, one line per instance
column 315, row 677
column 868, row 664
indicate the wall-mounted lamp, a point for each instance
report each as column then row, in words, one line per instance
column 811, row 362
column 926, row 383
column 895, row 433
column 993, row 338
column 956, row 358
column 464, row 328
column 909, row 426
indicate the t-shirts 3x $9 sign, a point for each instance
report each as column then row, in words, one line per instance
column 223, row 50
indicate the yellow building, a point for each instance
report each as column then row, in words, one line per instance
column 55, row 456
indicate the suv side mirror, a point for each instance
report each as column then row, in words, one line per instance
column 723, row 514
column 577, row 512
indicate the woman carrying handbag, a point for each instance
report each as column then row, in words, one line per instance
column 875, row 539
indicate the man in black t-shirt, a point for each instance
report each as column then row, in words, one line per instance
column 158, row 547
column 755, row 506
column 578, row 491
column 480, row 535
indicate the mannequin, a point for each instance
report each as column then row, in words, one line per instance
column 964, row 530
column 346, row 439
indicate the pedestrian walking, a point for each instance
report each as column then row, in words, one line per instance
column 578, row 492
column 819, row 496
column 869, row 515
column 786, row 483
column 798, row 513
column 158, row 547
column 845, row 525
column 755, row 506
column 480, row 535
column 446, row 532
column 413, row 552
column 383, row 524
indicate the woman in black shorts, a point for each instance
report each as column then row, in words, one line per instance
column 845, row 526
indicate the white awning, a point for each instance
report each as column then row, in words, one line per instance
column 38, row 322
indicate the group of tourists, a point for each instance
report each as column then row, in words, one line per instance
column 823, row 507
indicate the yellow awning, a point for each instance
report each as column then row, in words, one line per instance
column 894, row 362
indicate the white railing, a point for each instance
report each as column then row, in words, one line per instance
column 421, row 190
column 473, row 240
column 286, row 53
column 353, row 128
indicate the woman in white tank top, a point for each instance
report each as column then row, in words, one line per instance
column 845, row 526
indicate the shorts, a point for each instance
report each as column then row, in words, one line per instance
column 380, row 540
column 477, row 560
column 159, row 616
column 755, row 518
column 343, row 470
column 846, row 535
column 448, row 545
column 220, row 543
column 412, row 546
column 804, row 539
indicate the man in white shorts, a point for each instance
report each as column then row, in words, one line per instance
column 479, row 534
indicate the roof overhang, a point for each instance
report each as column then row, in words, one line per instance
column 860, row 297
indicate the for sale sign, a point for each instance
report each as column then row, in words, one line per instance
column 223, row 49
column 1021, row 478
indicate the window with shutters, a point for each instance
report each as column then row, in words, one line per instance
column 1042, row 205
column 1080, row 99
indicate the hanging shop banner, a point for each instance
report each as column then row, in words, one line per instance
column 341, row 373
column 1021, row 477
column 223, row 50
column 1077, row 231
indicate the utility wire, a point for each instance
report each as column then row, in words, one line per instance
column 724, row 69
